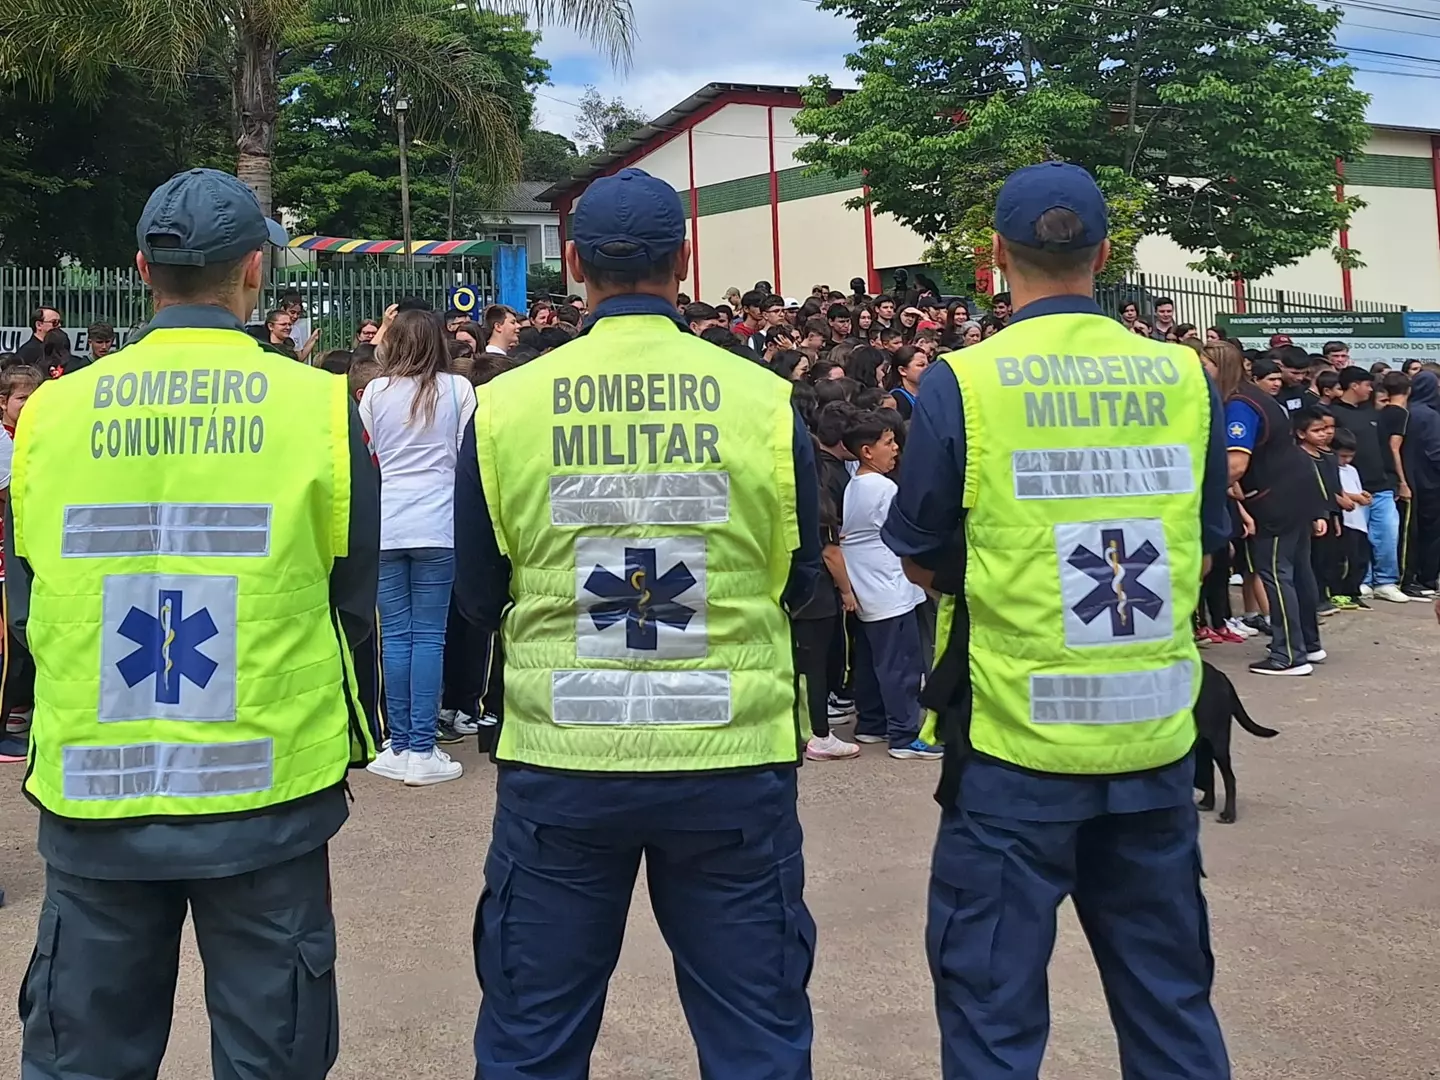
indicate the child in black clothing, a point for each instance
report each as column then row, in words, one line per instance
column 1315, row 427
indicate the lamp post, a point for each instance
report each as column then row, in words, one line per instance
column 402, row 106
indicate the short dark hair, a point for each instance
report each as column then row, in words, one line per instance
column 1003, row 297
column 753, row 298
column 838, row 311
column 1333, row 347
column 866, row 429
column 1344, row 440
column 174, row 282
column 494, row 317
column 719, row 335
column 567, row 314
column 100, row 331
column 890, row 333
column 38, row 314
column 1304, row 418
column 1327, row 380
column 833, row 420
column 453, row 313
column 1163, row 300
column 778, row 334
column 337, row 361
column 817, row 325
column 552, row 337
column 1395, row 382
column 831, row 390
column 1054, row 228
column 414, row 303
column 1379, row 367
column 656, row 272
column 290, row 296
column 772, row 301
column 361, row 354
column 683, row 299
column 363, row 369
column 1292, row 357
column 699, row 311
column 1353, row 375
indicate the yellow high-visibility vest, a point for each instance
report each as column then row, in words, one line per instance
column 1085, row 452
column 181, row 507
column 642, row 483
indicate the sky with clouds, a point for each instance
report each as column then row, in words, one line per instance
column 682, row 45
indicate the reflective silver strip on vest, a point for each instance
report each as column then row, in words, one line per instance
column 167, row 529
column 172, row 770
column 607, row 698
column 1126, row 697
column 698, row 498
column 1099, row 471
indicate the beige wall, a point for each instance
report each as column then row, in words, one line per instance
column 731, row 144
column 1397, row 239
column 821, row 242
column 1401, row 143
column 895, row 245
column 734, row 250
column 670, row 163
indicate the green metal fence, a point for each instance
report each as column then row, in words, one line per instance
column 336, row 299
column 1199, row 300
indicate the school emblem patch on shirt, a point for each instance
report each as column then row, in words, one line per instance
column 641, row 597
column 168, row 650
column 1237, row 430
column 1114, row 581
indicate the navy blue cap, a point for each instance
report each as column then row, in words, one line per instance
column 1029, row 192
column 628, row 220
column 203, row 217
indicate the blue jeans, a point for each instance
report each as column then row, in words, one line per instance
column 414, row 599
column 1384, row 519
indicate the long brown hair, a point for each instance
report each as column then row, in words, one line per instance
column 1230, row 363
column 415, row 348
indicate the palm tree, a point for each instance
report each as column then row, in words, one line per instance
column 419, row 48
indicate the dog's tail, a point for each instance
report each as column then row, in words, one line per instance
column 1243, row 719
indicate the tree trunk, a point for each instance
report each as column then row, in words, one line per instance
column 256, row 106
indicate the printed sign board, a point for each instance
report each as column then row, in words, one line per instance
column 12, row 337
column 1391, row 336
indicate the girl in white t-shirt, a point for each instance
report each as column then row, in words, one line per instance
column 415, row 415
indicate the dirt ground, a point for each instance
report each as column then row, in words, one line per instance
column 1323, row 901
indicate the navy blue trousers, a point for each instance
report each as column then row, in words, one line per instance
column 995, row 886
column 889, row 665
column 729, row 903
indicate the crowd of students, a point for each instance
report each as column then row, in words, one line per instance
column 1353, row 493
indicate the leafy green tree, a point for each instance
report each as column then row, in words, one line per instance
column 1215, row 122
column 337, row 150
column 548, row 156
column 75, row 174
column 418, row 48
column 603, row 125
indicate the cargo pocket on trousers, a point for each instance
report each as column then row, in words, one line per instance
column 37, row 989
column 964, row 919
column 317, row 1008
column 799, row 958
column 488, row 934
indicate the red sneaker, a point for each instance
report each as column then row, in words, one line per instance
column 1228, row 636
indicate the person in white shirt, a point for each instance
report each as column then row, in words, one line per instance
column 502, row 329
column 1355, row 523
column 889, row 664
column 415, row 414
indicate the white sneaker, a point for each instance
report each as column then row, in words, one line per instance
column 389, row 764
column 1392, row 593
column 446, row 716
column 830, row 748
column 435, row 767
column 1366, row 590
column 1317, row 657
column 464, row 724
column 1238, row 627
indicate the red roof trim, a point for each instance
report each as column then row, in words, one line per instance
column 780, row 98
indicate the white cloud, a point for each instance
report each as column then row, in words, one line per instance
column 682, row 46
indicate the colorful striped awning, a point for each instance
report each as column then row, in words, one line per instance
column 340, row 245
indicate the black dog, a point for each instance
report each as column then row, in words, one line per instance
column 1217, row 703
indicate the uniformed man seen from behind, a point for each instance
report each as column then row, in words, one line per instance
column 195, row 544
column 1061, row 483
column 647, row 501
